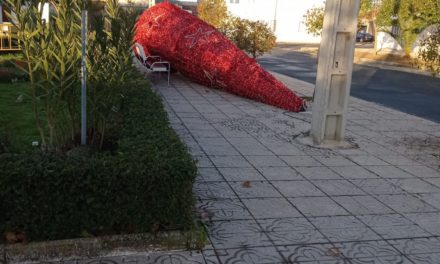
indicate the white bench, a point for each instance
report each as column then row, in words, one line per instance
column 150, row 64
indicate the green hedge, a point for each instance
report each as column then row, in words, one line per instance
column 142, row 185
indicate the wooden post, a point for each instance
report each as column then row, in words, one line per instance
column 335, row 68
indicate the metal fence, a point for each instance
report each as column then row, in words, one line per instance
column 7, row 40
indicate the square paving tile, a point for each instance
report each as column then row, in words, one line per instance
column 430, row 258
column 286, row 150
column 362, row 205
column 233, row 226
column 253, row 150
column 417, row 246
column 241, row 174
column 300, row 161
column 421, row 171
column 292, row 231
column 219, row 150
column 405, row 203
column 224, row 209
column 393, row 259
column 434, row 181
column 367, row 160
column 210, row 257
column 318, row 206
column 398, row 160
column 428, row 221
column 431, row 198
column 393, row 226
column 254, row 189
column 280, row 173
column 377, row 186
column 249, row 146
column 209, row 174
column 213, row 190
column 370, row 249
column 338, row 187
column 203, row 161
column 334, row 160
column 230, row 162
column 265, row 161
column 354, row 172
column 297, row 188
column 415, row 186
column 239, row 240
column 164, row 257
column 254, row 255
column 319, row 253
column 318, row 173
column 270, row 208
column 389, row 172
column 343, row 229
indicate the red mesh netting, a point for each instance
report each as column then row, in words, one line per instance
column 203, row 54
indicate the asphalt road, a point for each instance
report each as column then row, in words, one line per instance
column 407, row 92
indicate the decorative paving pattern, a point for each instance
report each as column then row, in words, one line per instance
column 268, row 199
column 265, row 198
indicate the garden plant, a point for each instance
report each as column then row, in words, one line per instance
column 135, row 175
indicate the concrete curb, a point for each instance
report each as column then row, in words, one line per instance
column 62, row 250
column 385, row 65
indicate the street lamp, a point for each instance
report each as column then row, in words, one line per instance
column 275, row 16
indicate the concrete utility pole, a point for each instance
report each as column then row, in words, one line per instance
column 335, row 68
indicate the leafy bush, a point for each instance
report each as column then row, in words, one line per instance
column 314, row 20
column 254, row 37
column 213, row 12
column 110, row 65
column 143, row 184
column 52, row 51
column 414, row 17
column 429, row 52
column 387, row 15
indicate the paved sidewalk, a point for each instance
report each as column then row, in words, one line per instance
column 268, row 199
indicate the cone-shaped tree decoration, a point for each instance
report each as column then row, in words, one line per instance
column 200, row 52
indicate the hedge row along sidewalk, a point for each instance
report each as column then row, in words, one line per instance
column 144, row 184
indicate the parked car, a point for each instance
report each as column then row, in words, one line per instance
column 364, row 37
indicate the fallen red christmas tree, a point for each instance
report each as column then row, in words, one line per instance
column 200, row 52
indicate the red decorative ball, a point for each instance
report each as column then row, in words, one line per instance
column 201, row 53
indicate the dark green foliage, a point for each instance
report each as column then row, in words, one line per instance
column 414, row 17
column 387, row 15
column 429, row 53
column 110, row 65
column 253, row 37
column 314, row 20
column 213, row 12
column 142, row 184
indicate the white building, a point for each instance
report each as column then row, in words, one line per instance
column 285, row 17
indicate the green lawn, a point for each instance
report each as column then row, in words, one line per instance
column 17, row 123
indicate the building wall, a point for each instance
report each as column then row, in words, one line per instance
column 285, row 17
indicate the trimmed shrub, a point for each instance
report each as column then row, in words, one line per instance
column 253, row 37
column 143, row 184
